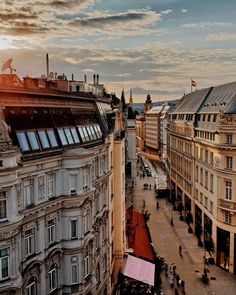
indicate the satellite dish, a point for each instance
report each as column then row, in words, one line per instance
column 7, row 65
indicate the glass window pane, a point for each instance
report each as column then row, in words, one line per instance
column 52, row 138
column 81, row 134
column 43, row 139
column 86, row 134
column 3, row 209
column 89, row 132
column 32, row 139
column 95, row 132
column 68, row 136
column 75, row 135
column 62, row 136
column 4, row 262
column 23, row 141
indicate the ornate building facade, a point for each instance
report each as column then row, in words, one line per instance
column 57, row 191
column 201, row 155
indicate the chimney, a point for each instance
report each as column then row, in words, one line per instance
column 94, row 77
column 97, row 79
column 85, row 78
column 72, row 77
column 47, row 65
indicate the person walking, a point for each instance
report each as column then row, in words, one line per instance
column 176, row 291
column 180, row 250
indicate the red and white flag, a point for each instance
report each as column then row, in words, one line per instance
column 194, row 84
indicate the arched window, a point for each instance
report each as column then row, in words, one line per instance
column 31, row 287
column 53, row 277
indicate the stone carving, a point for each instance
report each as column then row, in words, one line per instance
column 216, row 162
column 227, row 119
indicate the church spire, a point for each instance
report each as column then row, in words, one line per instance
column 130, row 99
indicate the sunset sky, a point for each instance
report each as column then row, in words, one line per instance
column 154, row 46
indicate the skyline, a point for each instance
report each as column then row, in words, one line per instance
column 153, row 46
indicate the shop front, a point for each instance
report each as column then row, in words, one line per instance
column 198, row 222
column 223, row 248
column 208, row 242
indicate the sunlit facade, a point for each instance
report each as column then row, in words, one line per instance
column 201, row 155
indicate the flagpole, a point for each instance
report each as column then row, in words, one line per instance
column 191, row 85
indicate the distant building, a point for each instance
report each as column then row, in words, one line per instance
column 152, row 130
column 201, row 157
column 62, row 188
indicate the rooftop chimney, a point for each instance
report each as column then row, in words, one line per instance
column 85, row 78
column 72, row 77
column 94, row 77
column 47, row 65
column 97, row 79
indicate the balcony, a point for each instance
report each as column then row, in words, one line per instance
column 227, row 205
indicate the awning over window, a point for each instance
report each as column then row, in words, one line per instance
column 139, row 270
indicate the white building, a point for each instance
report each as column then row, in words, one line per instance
column 57, row 192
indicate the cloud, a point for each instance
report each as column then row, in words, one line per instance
column 207, row 24
column 184, row 10
column 221, row 37
column 167, row 11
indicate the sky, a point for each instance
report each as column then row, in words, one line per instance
column 151, row 46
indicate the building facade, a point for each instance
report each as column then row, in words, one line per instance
column 57, row 191
column 152, row 130
column 201, row 154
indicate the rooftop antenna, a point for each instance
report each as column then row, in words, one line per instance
column 47, row 65
column 7, row 65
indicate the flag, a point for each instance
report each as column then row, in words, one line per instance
column 194, row 84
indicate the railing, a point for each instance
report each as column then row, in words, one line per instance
column 227, row 204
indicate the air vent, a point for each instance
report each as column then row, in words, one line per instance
column 73, row 191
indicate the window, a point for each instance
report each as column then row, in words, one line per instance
column 211, row 206
column 33, row 140
column 203, row 117
column 228, row 189
column 227, row 217
column 229, row 138
column 74, row 274
column 201, row 176
column 4, row 259
column 81, row 133
column 211, row 158
column 69, row 136
column 51, row 184
column 86, row 266
column 62, row 136
column 206, row 179
column 41, row 187
column 52, row 138
column 73, row 183
column 52, row 276
column 28, row 192
column 229, row 162
column 23, row 141
column 209, row 118
column 85, row 178
column 206, row 156
column 196, row 173
column 3, row 206
column 206, row 202
column 211, row 183
column 31, row 288
column 86, row 223
column 73, row 228
column 29, row 242
column 75, row 135
column 201, row 198
column 85, row 133
column 51, row 231
column 43, row 139
column 214, row 117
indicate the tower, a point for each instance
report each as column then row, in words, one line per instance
column 148, row 103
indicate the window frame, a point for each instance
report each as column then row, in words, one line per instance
column 51, row 231
column 3, row 199
column 53, row 272
column 29, row 241
column 75, row 222
column 228, row 189
column 3, row 257
column 75, row 275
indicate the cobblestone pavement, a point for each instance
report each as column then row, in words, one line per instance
column 166, row 240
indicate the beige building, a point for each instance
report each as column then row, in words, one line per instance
column 152, row 130
column 201, row 153
column 61, row 190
